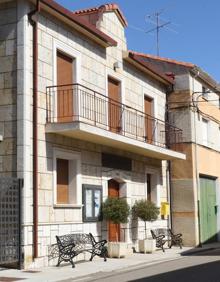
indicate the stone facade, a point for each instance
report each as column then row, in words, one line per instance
column 8, row 88
column 95, row 64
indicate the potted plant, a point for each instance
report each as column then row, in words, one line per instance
column 146, row 211
column 116, row 210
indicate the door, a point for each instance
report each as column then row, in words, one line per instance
column 114, row 108
column 208, row 210
column 64, row 93
column 113, row 229
column 149, row 121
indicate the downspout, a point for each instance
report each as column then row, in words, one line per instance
column 33, row 18
column 168, row 168
column 196, row 160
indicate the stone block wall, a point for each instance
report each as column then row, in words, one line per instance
column 8, row 88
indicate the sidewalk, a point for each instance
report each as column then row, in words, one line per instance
column 86, row 268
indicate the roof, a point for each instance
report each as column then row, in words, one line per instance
column 149, row 67
column 101, row 9
column 80, row 22
column 171, row 67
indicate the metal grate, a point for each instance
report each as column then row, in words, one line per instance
column 10, row 240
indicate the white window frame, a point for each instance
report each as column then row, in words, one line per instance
column 76, row 55
column 59, row 153
column 205, row 142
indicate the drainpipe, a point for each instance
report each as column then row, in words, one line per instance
column 196, row 160
column 168, row 168
column 33, row 18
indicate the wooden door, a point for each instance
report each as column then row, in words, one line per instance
column 208, row 210
column 62, row 181
column 113, row 229
column 114, row 109
column 64, row 93
column 149, row 121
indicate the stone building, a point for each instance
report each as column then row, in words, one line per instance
column 194, row 107
column 81, row 118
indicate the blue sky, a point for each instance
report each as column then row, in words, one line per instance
column 196, row 24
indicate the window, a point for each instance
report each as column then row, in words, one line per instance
column 148, row 187
column 205, row 131
column 204, row 92
column 67, row 177
column 92, row 199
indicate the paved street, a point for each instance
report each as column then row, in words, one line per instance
column 204, row 266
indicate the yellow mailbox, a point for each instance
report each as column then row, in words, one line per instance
column 165, row 208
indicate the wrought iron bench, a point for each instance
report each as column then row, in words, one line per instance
column 175, row 239
column 166, row 235
column 160, row 240
column 71, row 245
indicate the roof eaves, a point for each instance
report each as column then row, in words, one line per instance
column 168, row 60
column 103, row 8
column 151, row 68
column 79, row 21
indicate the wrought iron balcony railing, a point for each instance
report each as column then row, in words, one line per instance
column 77, row 103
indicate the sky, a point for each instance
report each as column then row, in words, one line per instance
column 193, row 34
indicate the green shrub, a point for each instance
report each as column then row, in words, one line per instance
column 116, row 210
column 145, row 210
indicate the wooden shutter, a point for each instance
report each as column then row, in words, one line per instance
column 148, row 187
column 64, row 93
column 149, row 121
column 114, row 109
column 62, row 181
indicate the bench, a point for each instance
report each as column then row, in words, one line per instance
column 160, row 240
column 71, row 245
column 163, row 235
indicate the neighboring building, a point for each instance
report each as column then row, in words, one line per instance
column 194, row 107
column 103, row 133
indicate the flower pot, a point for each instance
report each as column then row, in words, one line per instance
column 117, row 249
column 147, row 245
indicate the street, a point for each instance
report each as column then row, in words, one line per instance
column 201, row 267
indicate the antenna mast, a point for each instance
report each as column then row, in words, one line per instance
column 155, row 19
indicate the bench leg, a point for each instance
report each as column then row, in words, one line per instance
column 59, row 261
column 71, row 261
column 92, row 256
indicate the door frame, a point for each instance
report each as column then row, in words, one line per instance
column 76, row 56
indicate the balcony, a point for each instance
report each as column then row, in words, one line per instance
column 79, row 112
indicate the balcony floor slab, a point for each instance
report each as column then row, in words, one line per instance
column 90, row 133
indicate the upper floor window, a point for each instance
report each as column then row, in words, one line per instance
column 205, row 131
column 205, row 92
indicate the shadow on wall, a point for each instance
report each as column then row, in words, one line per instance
column 203, row 273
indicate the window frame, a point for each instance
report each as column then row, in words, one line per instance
column 94, row 188
column 59, row 153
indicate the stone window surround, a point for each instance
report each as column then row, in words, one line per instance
column 71, row 52
column 71, row 156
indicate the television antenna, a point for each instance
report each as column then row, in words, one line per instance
column 159, row 23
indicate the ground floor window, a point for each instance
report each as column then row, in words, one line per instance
column 67, row 177
column 92, row 199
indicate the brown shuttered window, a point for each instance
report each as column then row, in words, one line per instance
column 62, row 181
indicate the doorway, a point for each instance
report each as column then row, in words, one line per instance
column 65, row 88
column 113, row 229
column 114, row 106
column 149, row 121
column 208, row 210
